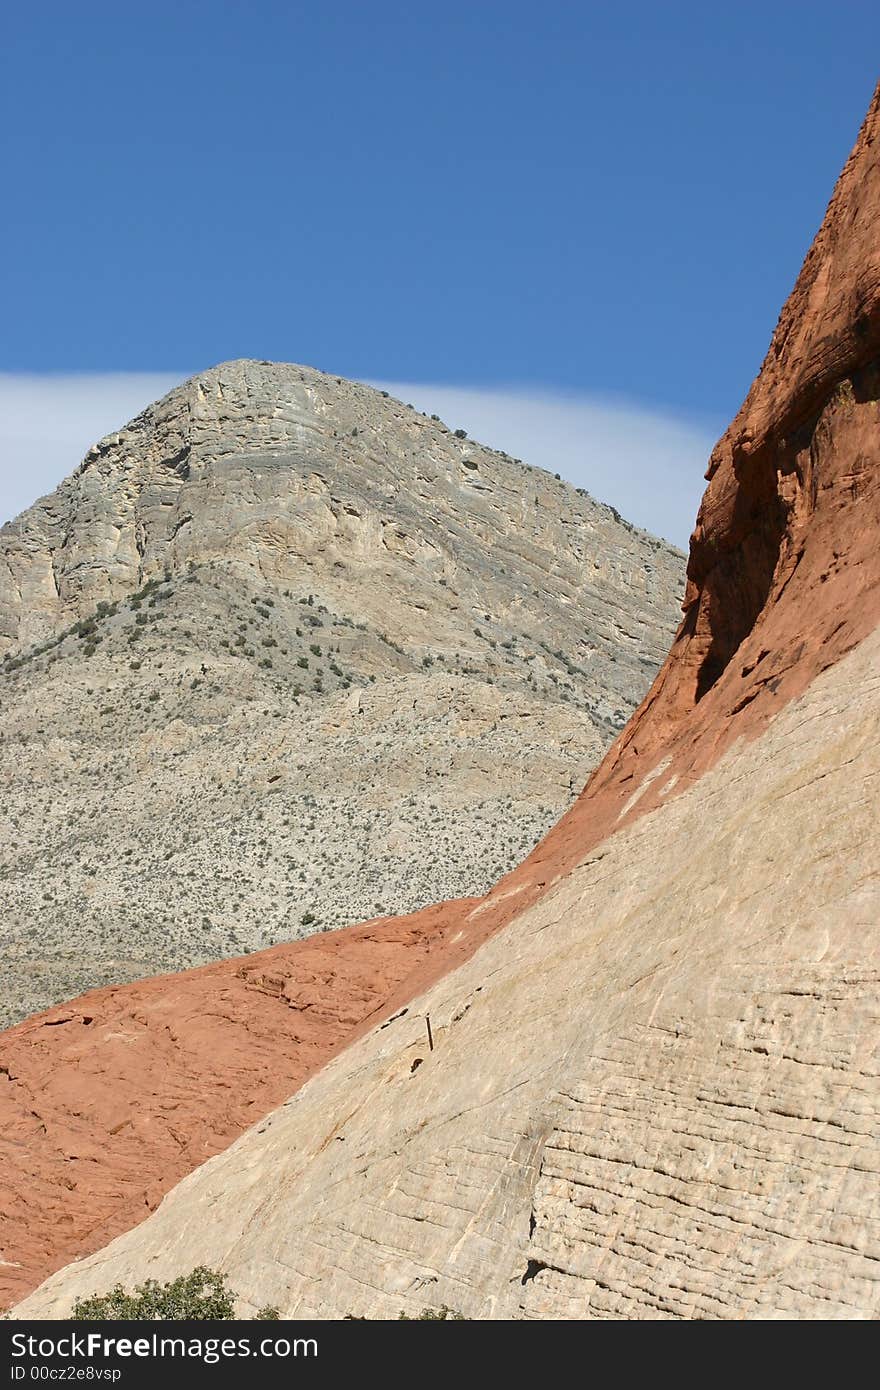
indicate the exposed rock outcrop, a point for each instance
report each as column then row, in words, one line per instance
column 655, row 1093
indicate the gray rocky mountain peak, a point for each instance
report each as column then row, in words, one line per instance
column 283, row 653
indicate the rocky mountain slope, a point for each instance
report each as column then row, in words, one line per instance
column 283, row 655
column 653, row 1090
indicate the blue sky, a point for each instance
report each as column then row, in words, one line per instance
column 575, row 202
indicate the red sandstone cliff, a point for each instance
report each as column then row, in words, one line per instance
column 107, row 1102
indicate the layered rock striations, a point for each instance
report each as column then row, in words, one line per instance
column 654, row 1093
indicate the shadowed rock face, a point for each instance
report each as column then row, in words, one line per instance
column 794, row 479
column 783, row 568
column 674, row 1111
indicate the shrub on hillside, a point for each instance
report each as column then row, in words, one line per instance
column 203, row 1294
column 443, row 1314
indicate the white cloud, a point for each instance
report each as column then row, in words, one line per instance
column 48, row 423
column 647, row 463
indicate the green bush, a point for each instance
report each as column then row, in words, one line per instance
column 203, row 1294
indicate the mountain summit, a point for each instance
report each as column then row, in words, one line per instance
column 284, row 654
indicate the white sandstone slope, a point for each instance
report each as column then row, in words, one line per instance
column 653, row 1095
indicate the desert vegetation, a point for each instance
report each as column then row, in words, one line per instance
column 203, row 1295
